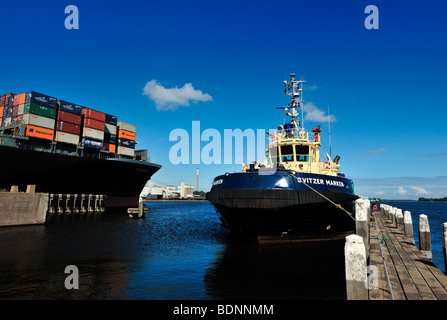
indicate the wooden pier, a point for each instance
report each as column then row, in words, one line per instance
column 404, row 271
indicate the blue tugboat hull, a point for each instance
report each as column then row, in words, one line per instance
column 285, row 206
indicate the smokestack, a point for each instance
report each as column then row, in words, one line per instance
column 197, row 179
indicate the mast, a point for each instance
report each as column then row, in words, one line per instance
column 293, row 89
column 329, row 120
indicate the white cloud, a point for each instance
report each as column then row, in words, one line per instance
column 313, row 113
column 401, row 191
column 420, row 191
column 172, row 98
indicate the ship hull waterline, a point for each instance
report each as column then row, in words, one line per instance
column 120, row 180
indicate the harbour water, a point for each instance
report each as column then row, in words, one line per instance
column 437, row 215
column 179, row 251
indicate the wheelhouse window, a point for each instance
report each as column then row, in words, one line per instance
column 302, row 153
column 286, row 153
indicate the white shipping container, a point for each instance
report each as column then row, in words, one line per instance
column 127, row 127
column 93, row 133
column 20, row 109
column 126, row 151
column 110, row 128
column 38, row 121
column 66, row 137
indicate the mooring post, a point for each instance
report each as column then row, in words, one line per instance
column 140, row 209
column 393, row 216
column 14, row 189
column 408, row 226
column 31, row 188
column 399, row 220
column 424, row 236
column 361, row 221
column 444, row 244
column 388, row 212
column 355, row 268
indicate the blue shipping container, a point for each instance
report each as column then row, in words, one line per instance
column 41, row 99
column 70, row 107
column 111, row 119
column 126, row 143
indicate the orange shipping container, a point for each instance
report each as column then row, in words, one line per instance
column 110, row 147
column 126, row 135
column 1, row 111
column 39, row 132
column 19, row 99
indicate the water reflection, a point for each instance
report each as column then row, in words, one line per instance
column 179, row 251
column 246, row 271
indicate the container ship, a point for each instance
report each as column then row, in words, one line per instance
column 293, row 196
column 64, row 148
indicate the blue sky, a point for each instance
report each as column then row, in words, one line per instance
column 385, row 87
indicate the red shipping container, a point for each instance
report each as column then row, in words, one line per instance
column 15, row 110
column 94, row 124
column 93, row 114
column 5, row 98
column 69, row 117
column 68, row 127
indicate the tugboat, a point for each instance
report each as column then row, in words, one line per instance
column 292, row 196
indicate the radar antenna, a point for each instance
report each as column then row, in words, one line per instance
column 293, row 89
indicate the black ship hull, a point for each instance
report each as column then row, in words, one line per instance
column 120, row 180
column 254, row 205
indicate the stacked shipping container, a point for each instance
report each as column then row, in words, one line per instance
column 37, row 112
column 93, row 131
column 126, row 139
column 48, row 118
column 68, row 126
column 110, row 133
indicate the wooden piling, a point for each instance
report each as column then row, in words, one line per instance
column 424, row 236
column 31, row 188
column 355, row 268
column 75, row 204
column 60, row 205
column 393, row 216
column 444, row 244
column 399, row 220
column 408, row 226
column 51, row 205
column 83, row 205
column 361, row 221
column 90, row 203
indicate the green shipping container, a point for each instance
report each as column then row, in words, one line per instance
column 44, row 111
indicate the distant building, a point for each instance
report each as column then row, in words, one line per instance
column 186, row 191
column 157, row 191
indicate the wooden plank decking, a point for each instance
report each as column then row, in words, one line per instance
column 412, row 275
